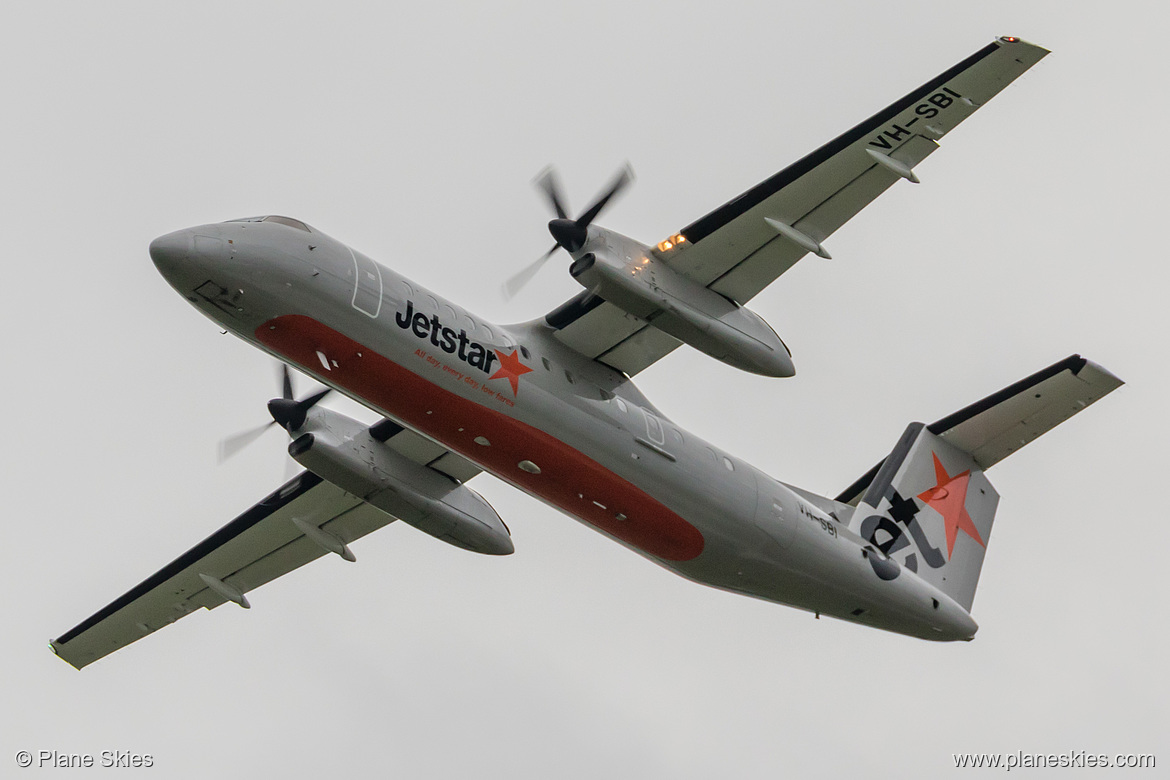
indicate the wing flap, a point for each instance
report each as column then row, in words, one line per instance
column 418, row 448
column 347, row 526
column 640, row 350
column 424, row 452
column 456, row 467
column 600, row 330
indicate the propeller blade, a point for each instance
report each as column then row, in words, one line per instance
column 286, row 411
column 308, row 403
column 623, row 178
column 286, row 382
column 547, row 181
column 233, row 444
column 517, row 281
column 570, row 234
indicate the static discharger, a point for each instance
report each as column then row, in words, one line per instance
column 892, row 165
column 802, row 240
column 225, row 590
column 324, row 539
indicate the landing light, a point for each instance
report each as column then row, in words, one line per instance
column 674, row 241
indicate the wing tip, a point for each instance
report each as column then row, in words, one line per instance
column 57, row 649
column 1012, row 40
column 1103, row 376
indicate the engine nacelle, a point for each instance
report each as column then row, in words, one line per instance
column 649, row 289
column 342, row 451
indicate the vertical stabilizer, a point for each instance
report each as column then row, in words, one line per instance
column 931, row 508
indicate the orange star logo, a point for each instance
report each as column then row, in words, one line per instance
column 512, row 368
column 949, row 499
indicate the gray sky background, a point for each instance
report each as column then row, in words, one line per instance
column 412, row 132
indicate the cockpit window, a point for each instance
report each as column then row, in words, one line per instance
column 292, row 223
column 289, row 221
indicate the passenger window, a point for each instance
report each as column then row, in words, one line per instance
column 568, row 376
column 547, row 366
column 434, row 304
column 488, row 332
column 524, row 352
column 728, row 464
column 678, row 437
column 620, row 404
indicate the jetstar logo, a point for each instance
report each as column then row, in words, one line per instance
column 511, row 369
column 459, row 344
column 899, row 526
column 449, row 340
column 949, row 498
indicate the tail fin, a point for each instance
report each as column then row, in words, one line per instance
column 929, row 506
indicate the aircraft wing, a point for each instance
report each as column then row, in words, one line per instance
column 265, row 542
column 744, row 245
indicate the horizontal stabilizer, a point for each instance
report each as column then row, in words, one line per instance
column 1002, row 423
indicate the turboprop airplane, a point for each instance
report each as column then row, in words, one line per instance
column 550, row 407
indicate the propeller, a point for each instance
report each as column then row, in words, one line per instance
column 286, row 411
column 569, row 234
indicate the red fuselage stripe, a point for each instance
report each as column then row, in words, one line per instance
column 571, row 481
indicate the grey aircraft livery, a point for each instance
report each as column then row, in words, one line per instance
column 550, row 407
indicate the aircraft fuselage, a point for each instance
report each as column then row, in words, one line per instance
column 501, row 396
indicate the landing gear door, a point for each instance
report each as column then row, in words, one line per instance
column 367, row 286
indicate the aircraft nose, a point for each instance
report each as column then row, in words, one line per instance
column 170, row 251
